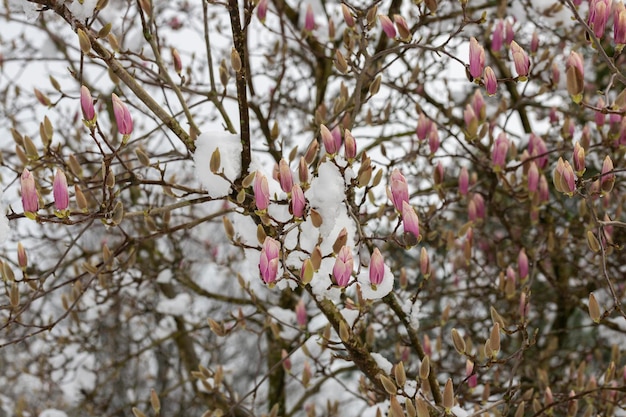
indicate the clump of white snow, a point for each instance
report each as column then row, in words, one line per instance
column 230, row 156
column 82, row 11
column 326, row 195
column 371, row 292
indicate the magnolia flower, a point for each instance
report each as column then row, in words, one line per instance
column 261, row 10
column 476, row 58
column 285, row 176
column 122, row 116
column 399, row 189
column 298, row 201
column 388, row 27
column 491, row 82
column 349, row 145
column 60, row 192
column 86, row 104
column 521, row 60
column 309, row 19
column 268, row 264
column 331, row 140
column 30, row 199
column 344, row 263
column 410, row 221
column 261, row 191
column 377, row 268
column 463, row 181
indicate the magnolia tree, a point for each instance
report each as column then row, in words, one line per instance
column 273, row 207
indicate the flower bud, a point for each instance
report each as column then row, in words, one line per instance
column 301, row 316
column 387, row 25
column 285, row 176
column 399, row 189
column 122, row 116
column 349, row 145
column 298, row 202
column 83, row 41
column 376, row 268
column 331, row 140
column 30, row 199
column 476, row 58
column 491, row 82
column 261, row 10
column 344, row 263
column 309, row 20
column 463, row 181
column 261, row 191
column 410, row 220
column 347, row 16
column 575, row 76
column 178, row 63
column 579, row 160
column 60, row 192
column 403, row 28
column 268, row 263
column 86, row 104
column 22, row 258
column 607, row 178
column 594, row 309
column 521, row 61
column 499, row 152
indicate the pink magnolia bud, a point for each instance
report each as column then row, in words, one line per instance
column 478, row 104
column 303, row 170
column 268, row 264
column 298, row 202
column 471, row 121
column 522, row 264
column 261, row 191
column 476, row 58
column 438, row 174
column 344, row 263
column 556, row 74
column 619, row 24
column 388, row 27
column 521, row 61
column 399, row 189
column 476, row 208
column 60, row 192
column 301, row 316
column 509, row 33
column 499, row 152
column 533, row 178
column 261, row 10
column 607, row 178
column 534, row 43
column 472, row 377
column 575, row 76
column 433, row 140
column 491, row 82
column 347, row 16
column 600, row 117
column 309, row 19
column 122, row 116
column 86, row 104
column 538, row 150
column 579, row 160
column 410, row 221
column 563, row 177
column 403, row 28
column 424, row 125
column 30, row 199
column 599, row 11
column 331, row 141
column 463, row 181
column 349, row 145
column 497, row 37
column 22, row 257
column 424, row 263
column 178, row 62
column 285, row 176
column 377, row 268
